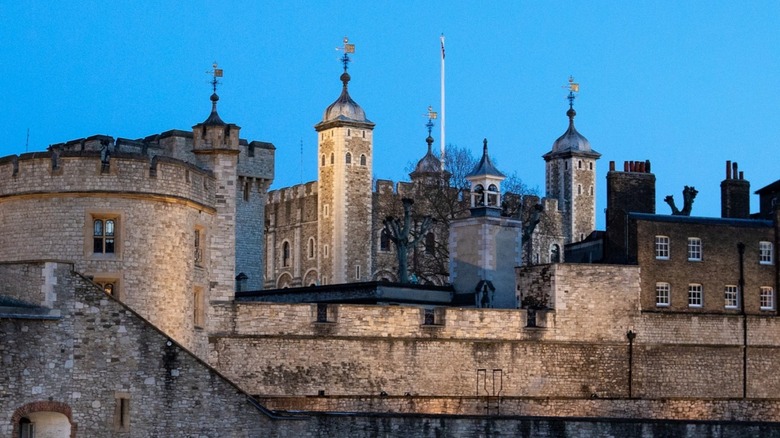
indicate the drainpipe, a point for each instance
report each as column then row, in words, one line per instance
column 741, row 251
column 631, row 334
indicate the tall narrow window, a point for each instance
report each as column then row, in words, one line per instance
column 731, row 295
column 103, row 236
column 765, row 255
column 662, row 247
column 322, row 160
column 384, row 241
column 662, row 294
column 349, row 158
column 198, row 256
column 767, row 298
column 555, row 253
column 312, row 247
column 694, row 249
column 357, row 272
column 326, row 252
column 26, row 428
column 122, row 412
column 362, row 159
column 430, row 244
column 247, row 188
column 286, row 254
column 332, row 158
column 695, row 296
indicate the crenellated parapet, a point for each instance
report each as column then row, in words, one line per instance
column 71, row 170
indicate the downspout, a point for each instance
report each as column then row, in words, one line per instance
column 741, row 251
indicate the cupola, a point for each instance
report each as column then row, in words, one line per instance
column 485, row 182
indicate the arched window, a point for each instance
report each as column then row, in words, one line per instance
column 349, row 158
column 332, row 158
column 492, row 195
column 312, row 247
column 478, row 197
column 286, row 254
column 384, row 241
column 430, row 244
column 322, row 161
column 362, row 159
column 555, row 253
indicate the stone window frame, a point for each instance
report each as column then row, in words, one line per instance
column 89, row 235
column 312, row 248
column 662, row 247
column 332, row 159
column 348, row 158
column 286, row 254
column 104, row 279
column 199, row 306
column 357, row 272
column 246, row 189
column 384, row 241
column 695, row 295
column 767, row 298
column 326, row 210
column 199, row 249
column 432, row 317
column 362, row 159
column 326, row 250
column 663, row 294
column 731, row 296
column 322, row 161
column 695, row 249
column 122, row 412
column 765, row 252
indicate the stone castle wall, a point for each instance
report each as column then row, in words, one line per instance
column 99, row 351
column 580, row 349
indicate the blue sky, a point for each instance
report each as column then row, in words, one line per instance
column 687, row 85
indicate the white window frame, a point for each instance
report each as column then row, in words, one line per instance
column 767, row 298
column 694, row 249
column 662, row 247
column 663, row 294
column 765, row 253
column 731, row 296
column 695, row 295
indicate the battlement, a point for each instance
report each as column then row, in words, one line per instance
column 72, row 170
column 298, row 191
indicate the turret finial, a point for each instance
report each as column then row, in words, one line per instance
column 347, row 48
column 573, row 88
column 431, row 115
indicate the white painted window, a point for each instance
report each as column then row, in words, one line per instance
column 662, row 294
column 767, row 298
column 731, row 294
column 695, row 295
column 694, row 249
column 765, row 251
column 662, row 247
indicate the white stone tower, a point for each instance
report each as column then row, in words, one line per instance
column 571, row 178
column 485, row 247
column 345, row 142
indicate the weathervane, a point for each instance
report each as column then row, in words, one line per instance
column 573, row 87
column 348, row 48
column 215, row 73
column 431, row 115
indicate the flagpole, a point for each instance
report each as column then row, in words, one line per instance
column 441, row 125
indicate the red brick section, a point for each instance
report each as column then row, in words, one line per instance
column 43, row 406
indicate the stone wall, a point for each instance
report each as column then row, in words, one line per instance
column 99, row 351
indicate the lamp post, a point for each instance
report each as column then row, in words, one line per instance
column 631, row 335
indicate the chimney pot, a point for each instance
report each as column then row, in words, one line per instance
column 611, row 166
column 728, row 169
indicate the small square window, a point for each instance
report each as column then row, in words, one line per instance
column 695, row 296
column 662, row 247
column 731, row 295
column 662, row 294
column 694, row 249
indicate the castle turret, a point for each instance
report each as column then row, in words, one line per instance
column 734, row 194
column 571, row 177
column 345, row 143
column 216, row 147
column 486, row 247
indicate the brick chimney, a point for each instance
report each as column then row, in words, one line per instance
column 734, row 194
column 629, row 191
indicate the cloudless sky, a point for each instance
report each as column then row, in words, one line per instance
column 687, row 85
